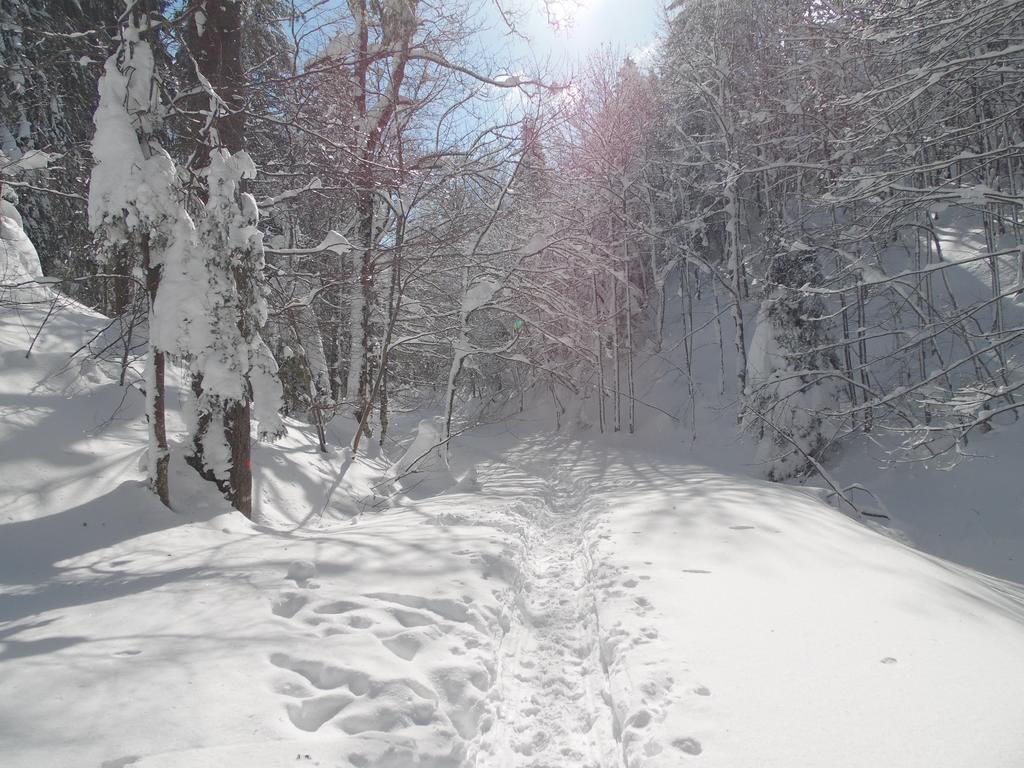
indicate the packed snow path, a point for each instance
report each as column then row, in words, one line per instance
column 553, row 702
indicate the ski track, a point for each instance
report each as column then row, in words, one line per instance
column 552, row 701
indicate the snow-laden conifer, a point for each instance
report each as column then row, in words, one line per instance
column 214, row 305
column 136, row 203
column 792, row 384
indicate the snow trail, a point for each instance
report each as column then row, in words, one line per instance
column 552, row 701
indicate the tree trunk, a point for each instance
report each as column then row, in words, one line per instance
column 736, row 269
column 630, row 388
column 159, row 457
column 599, row 349
column 616, row 363
column 237, row 431
column 217, row 48
column 359, row 349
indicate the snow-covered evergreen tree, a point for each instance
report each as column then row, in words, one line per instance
column 791, row 375
column 215, row 305
column 220, row 322
column 135, row 203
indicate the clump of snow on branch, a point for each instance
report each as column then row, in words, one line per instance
column 134, row 186
column 479, row 294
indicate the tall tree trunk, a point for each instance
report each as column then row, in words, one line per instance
column 159, row 457
column 735, row 261
column 862, row 347
column 599, row 350
column 360, row 306
column 217, row 47
column 616, row 363
column 380, row 379
column 630, row 388
column 358, row 289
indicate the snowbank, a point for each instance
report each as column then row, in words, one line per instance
column 749, row 624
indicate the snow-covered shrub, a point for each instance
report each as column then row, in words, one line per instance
column 423, row 469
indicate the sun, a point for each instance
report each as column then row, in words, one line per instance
column 562, row 14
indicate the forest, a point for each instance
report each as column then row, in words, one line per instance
column 385, row 387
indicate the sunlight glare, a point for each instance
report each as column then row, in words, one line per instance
column 562, row 15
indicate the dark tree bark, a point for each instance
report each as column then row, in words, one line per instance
column 160, row 482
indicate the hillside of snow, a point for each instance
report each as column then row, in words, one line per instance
column 586, row 603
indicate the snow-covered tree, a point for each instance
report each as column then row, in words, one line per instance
column 215, row 306
column 136, row 203
column 792, row 373
column 204, row 279
column 220, row 323
column 51, row 58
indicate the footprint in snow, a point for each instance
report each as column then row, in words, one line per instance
column 288, row 604
column 405, row 645
column 301, row 572
column 640, row 720
column 450, row 610
column 120, row 762
column 337, row 606
column 688, row 745
column 309, row 715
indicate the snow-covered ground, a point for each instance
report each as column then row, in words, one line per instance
column 585, row 604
